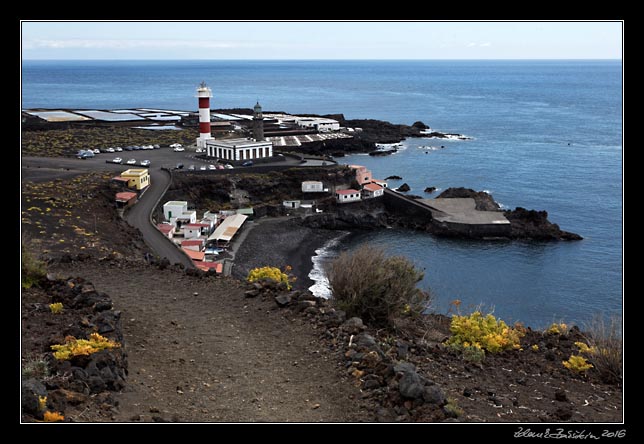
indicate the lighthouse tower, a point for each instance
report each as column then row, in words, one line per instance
column 204, row 93
column 258, row 123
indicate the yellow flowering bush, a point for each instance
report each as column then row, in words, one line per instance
column 484, row 332
column 53, row 417
column 272, row 273
column 577, row 364
column 42, row 402
column 79, row 347
column 557, row 329
column 56, row 307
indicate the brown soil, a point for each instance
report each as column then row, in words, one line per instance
column 199, row 351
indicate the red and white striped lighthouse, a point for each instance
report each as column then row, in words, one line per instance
column 204, row 93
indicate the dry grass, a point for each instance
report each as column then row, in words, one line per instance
column 606, row 339
column 379, row 289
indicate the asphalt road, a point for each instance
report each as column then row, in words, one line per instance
column 139, row 216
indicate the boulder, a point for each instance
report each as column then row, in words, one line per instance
column 432, row 394
column 31, row 390
column 353, row 325
column 394, row 177
column 403, row 188
column 484, row 201
column 430, row 190
column 283, row 300
column 411, row 386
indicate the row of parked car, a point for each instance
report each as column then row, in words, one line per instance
column 204, row 167
column 143, row 163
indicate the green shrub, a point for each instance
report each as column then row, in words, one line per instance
column 32, row 269
column 379, row 289
column 35, row 367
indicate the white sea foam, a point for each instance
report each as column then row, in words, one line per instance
column 323, row 256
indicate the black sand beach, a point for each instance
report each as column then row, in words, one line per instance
column 280, row 242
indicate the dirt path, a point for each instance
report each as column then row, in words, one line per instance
column 217, row 356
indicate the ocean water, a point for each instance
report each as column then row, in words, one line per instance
column 546, row 135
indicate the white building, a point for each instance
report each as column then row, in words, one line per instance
column 239, row 149
column 292, row 204
column 382, row 183
column 372, row 190
column 312, row 186
column 319, row 123
column 346, row 196
column 195, row 230
column 174, row 208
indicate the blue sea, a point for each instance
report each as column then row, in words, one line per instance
column 545, row 135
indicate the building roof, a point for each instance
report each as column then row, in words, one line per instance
column 378, row 181
column 372, row 187
column 197, row 225
column 120, row 179
column 205, row 266
column 191, row 242
column 312, row 182
column 228, row 228
column 165, row 228
column 349, row 191
column 125, row 196
column 238, row 143
column 246, row 211
column 177, row 203
column 195, row 255
column 135, row 172
column 357, row 167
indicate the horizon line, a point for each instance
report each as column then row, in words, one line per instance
column 319, row 60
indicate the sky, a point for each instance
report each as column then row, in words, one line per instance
column 321, row 40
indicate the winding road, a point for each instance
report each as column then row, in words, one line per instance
column 139, row 217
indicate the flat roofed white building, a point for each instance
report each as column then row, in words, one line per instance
column 312, row 186
column 346, row 196
column 239, row 149
column 174, row 208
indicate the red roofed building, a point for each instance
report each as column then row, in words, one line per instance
column 205, row 266
column 166, row 229
column 193, row 230
column 125, row 199
column 372, row 190
column 363, row 175
column 346, row 196
column 195, row 255
column 192, row 244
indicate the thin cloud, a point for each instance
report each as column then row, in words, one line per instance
column 136, row 44
column 478, row 44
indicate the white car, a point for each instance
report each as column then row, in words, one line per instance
column 212, row 167
column 228, row 166
column 117, row 160
column 199, row 150
column 110, row 150
column 175, row 145
column 145, row 163
column 96, row 151
column 178, row 149
column 131, row 162
column 118, row 149
column 202, row 167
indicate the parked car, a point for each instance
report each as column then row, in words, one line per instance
column 212, row 167
column 179, row 166
column 248, row 163
column 109, row 150
column 131, row 162
column 84, row 154
column 175, row 145
column 145, row 163
column 202, row 167
column 117, row 160
column 129, row 148
column 220, row 166
column 147, row 147
column 191, row 167
column 228, row 166
column 179, row 149
column 136, row 148
column 96, row 151
column 118, row 149
column 156, row 147
column 199, row 150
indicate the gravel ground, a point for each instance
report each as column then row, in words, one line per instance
column 279, row 242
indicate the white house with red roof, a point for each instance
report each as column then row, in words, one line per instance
column 372, row 190
column 346, row 196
